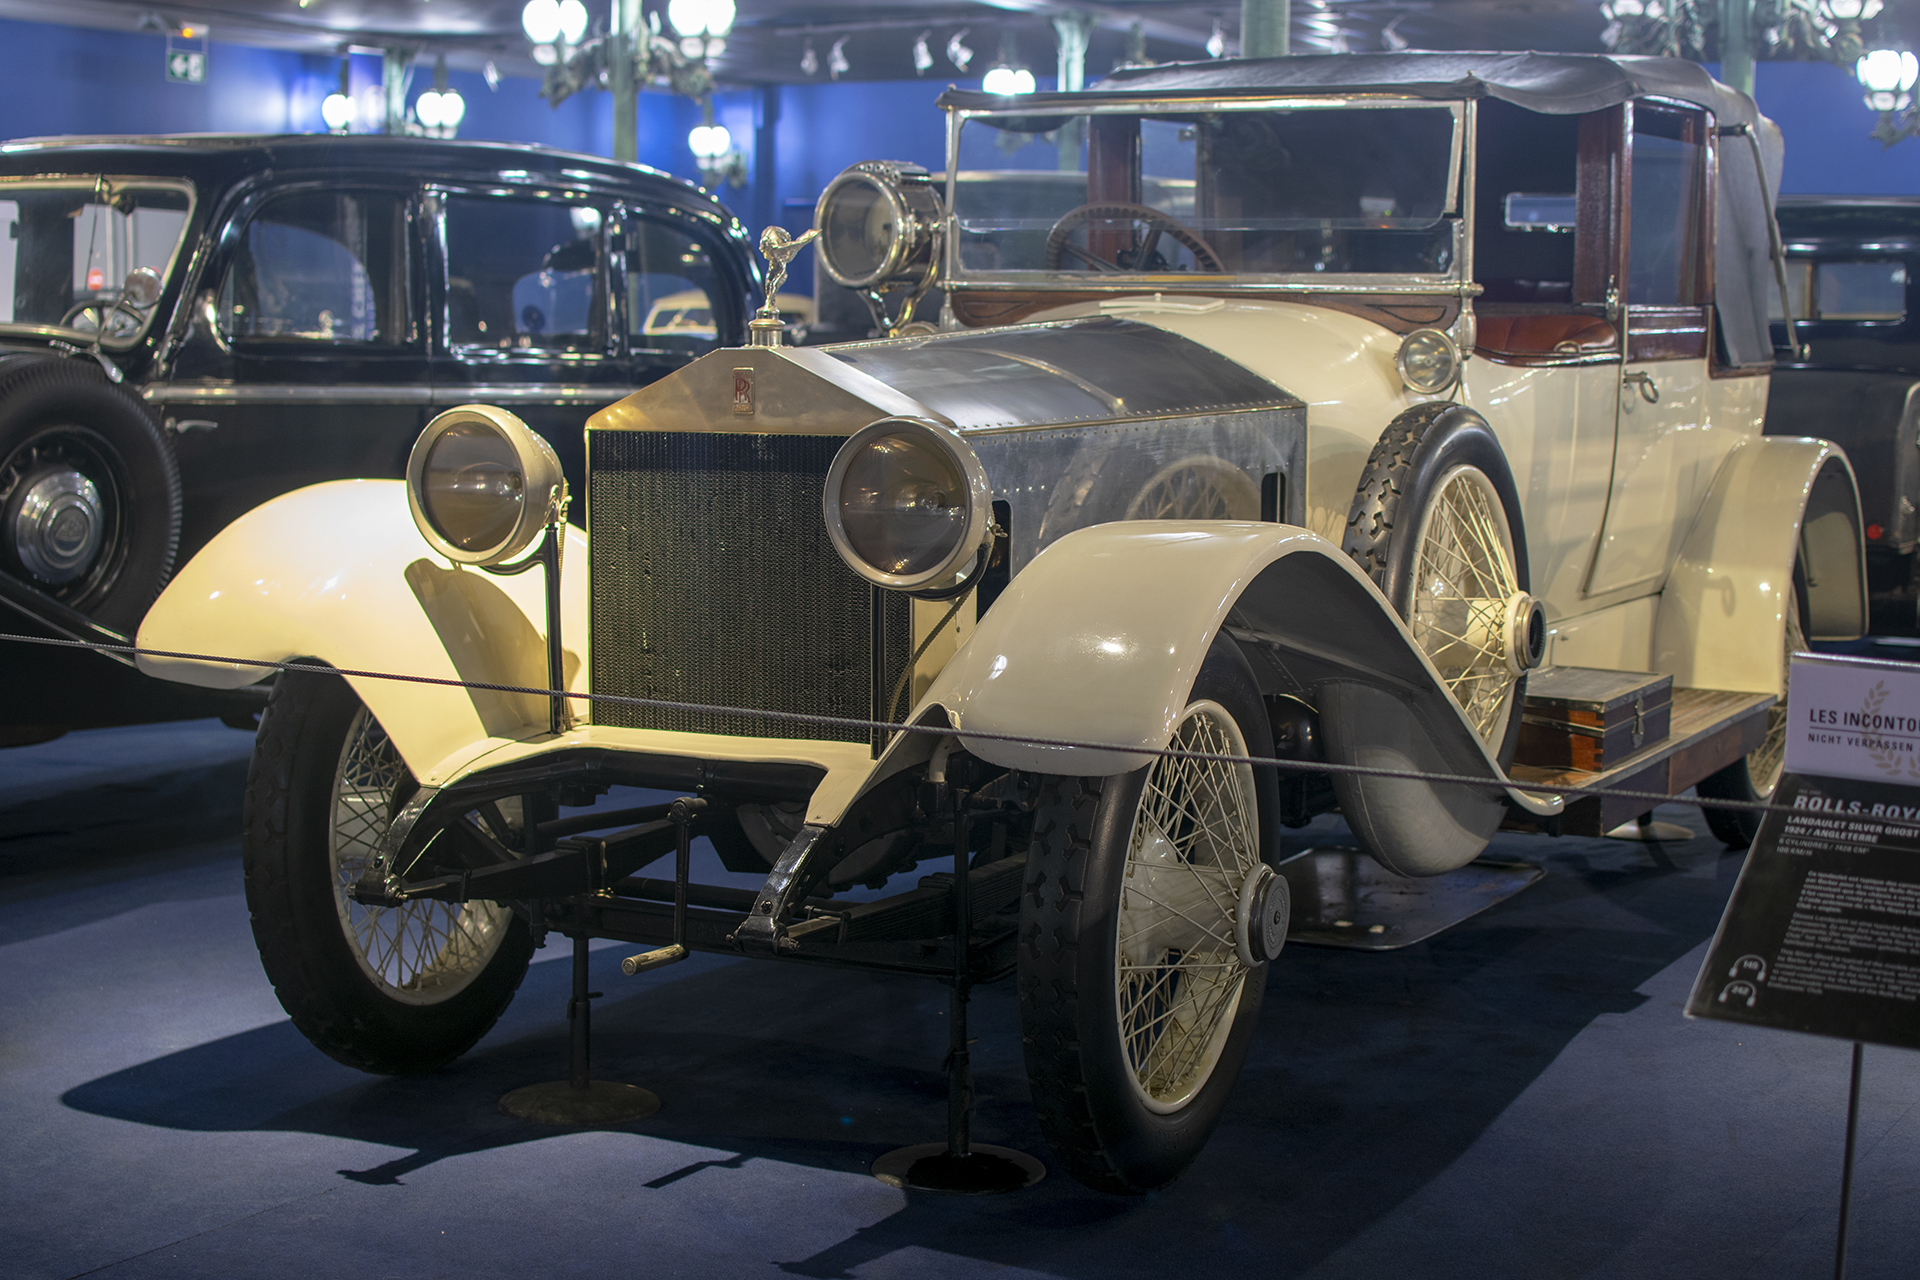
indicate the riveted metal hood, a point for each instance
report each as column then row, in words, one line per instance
column 1076, row 372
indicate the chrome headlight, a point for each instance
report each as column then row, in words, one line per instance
column 481, row 485
column 1428, row 361
column 907, row 503
column 879, row 225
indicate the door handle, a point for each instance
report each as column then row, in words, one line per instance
column 1648, row 392
column 180, row 426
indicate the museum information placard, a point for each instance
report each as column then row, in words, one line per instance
column 1822, row 934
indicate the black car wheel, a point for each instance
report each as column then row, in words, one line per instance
column 89, row 491
column 388, row 989
column 1142, row 952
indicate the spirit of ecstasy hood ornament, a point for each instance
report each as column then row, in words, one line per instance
column 779, row 249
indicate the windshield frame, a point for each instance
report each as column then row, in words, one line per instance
column 93, row 182
column 1458, row 205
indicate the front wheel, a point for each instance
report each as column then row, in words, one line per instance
column 1139, row 983
column 385, row 989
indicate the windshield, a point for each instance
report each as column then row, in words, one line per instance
column 1276, row 190
column 71, row 245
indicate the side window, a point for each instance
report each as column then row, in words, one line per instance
column 673, row 302
column 1526, row 218
column 1663, row 224
column 524, row 275
column 320, row 267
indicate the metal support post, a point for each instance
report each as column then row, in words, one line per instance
column 957, row 1166
column 1264, row 28
column 622, row 40
column 1736, row 45
column 1846, row 1168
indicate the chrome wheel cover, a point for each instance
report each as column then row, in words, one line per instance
column 1178, row 975
column 421, row 953
column 1464, row 581
column 58, row 526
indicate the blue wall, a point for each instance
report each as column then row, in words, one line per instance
column 69, row 80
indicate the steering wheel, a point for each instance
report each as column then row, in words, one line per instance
column 121, row 319
column 1143, row 256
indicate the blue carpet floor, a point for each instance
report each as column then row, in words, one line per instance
column 1517, row 1098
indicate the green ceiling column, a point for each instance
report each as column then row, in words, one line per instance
column 1736, row 45
column 1263, row 28
column 1072, row 31
column 623, row 30
column 396, row 73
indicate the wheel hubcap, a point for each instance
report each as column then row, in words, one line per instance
column 58, row 526
column 1179, row 974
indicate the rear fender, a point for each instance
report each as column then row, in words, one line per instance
column 1100, row 638
column 1722, row 617
column 338, row 572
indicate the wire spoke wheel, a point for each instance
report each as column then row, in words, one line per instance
column 421, row 952
column 1463, row 582
column 1178, row 977
column 1139, row 990
column 1766, row 761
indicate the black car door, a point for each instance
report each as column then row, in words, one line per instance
column 306, row 360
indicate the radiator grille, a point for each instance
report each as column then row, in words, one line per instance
column 714, row 582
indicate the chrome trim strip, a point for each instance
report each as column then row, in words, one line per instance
column 347, row 393
column 287, row 393
column 532, row 393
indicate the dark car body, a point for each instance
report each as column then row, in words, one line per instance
column 1854, row 280
column 327, row 296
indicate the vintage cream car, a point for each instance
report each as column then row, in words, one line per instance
column 1338, row 394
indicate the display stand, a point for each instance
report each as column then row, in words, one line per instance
column 1817, row 935
column 959, row 1166
column 580, row 1099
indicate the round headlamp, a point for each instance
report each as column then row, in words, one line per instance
column 907, row 503
column 1428, row 361
column 879, row 221
column 481, row 485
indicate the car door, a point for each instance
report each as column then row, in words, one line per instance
column 305, row 360
column 1664, row 454
column 525, row 315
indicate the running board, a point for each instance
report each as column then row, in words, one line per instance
column 1343, row 898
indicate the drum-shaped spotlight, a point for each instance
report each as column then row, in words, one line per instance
column 1428, row 361
column 907, row 504
column 879, row 225
column 482, row 485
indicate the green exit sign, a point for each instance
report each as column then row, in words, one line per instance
column 186, row 67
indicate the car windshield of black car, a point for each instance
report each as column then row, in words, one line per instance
column 70, row 243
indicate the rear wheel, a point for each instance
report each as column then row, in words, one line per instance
column 387, row 989
column 1754, row 776
column 1142, row 957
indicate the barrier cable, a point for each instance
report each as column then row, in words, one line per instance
column 1483, row 784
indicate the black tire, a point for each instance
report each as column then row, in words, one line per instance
column 59, row 418
column 1089, row 1099
column 1416, row 452
column 289, row 844
column 1755, row 776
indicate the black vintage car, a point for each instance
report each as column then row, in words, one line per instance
column 192, row 325
column 1853, row 272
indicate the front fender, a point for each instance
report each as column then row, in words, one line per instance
column 1722, row 617
column 1100, row 638
column 338, row 572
